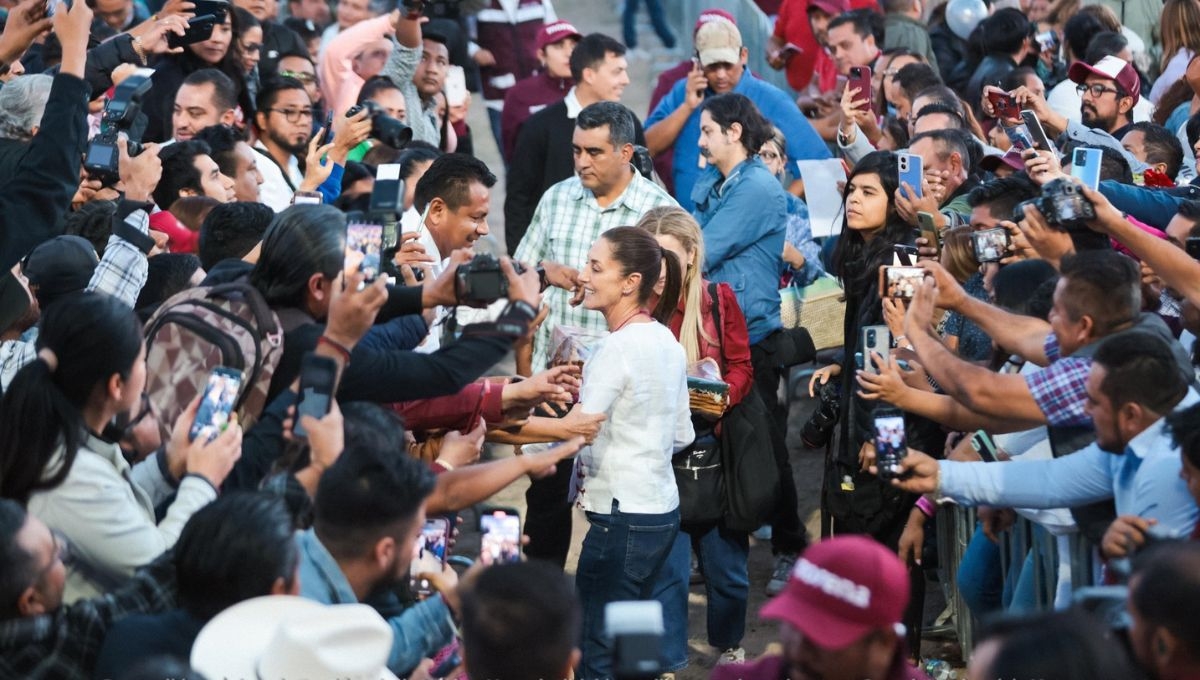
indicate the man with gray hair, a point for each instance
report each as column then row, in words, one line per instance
column 605, row 192
column 22, row 103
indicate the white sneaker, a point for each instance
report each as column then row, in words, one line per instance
column 732, row 655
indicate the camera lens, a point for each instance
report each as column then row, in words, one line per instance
column 871, row 337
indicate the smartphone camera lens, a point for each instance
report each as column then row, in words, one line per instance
column 871, row 337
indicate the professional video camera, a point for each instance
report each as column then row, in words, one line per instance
column 122, row 113
column 385, row 128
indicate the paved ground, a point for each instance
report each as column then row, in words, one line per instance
column 602, row 16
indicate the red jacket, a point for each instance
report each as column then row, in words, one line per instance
column 523, row 100
column 513, row 43
column 733, row 352
column 461, row 411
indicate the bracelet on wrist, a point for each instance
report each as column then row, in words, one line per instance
column 926, row 506
column 336, row 346
column 448, row 467
column 139, row 49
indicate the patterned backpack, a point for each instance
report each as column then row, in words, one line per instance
column 200, row 329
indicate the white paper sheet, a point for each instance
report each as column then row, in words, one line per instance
column 822, row 194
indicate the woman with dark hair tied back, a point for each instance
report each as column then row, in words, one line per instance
column 91, row 367
column 637, row 377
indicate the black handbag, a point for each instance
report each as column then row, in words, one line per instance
column 748, row 459
column 701, row 484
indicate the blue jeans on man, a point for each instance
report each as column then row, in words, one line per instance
column 622, row 556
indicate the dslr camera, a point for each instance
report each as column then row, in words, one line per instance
column 1063, row 205
column 481, row 282
column 385, row 128
column 122, row 113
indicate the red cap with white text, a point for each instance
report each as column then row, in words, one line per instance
column 841, row 589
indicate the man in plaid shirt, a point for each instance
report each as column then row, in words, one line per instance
column 1098, row 295
column 605, row 192
column 40, row 638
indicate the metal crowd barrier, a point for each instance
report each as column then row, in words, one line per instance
column 755, row 27
column 955, row 527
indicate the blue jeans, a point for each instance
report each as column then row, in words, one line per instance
column 980, row 575
column 723, row 555
column 494, row 117
column 657, row 18
column 621, row 558
column 1025, row 593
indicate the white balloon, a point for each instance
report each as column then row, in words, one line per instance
column 964, row 15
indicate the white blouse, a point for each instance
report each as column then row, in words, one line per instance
column 637, row 376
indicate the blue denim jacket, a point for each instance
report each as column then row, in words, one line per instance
column 744, row 220
column 419, row 632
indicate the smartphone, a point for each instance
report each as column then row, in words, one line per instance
column 1036, row 132
column 368, row 240
column 912, row 170
column 432, row 549
column 199, row 29
column 216, row 404
column 500, row 537
column 456, row 86
column 318, row 380
column 929, row 231
column 217, row 8
column 1085, row 165
column 1005, row 105
column 875, row 339
column 902, row 364
column 860, row 77
column 328, row 137
column 1019, row 136
column 1047, row 41
column 891, row 443
column 900, row 283
column 1193, row 247
column 991, row 245
column 984, row 446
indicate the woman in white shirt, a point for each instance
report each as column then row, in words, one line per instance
column 91, row 366
column 637, row 377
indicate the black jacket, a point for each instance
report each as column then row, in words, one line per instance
column 38, row 179
column 541, row 159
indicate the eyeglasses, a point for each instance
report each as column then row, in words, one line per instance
column 62, row 553
column 295, row 115
column 1097, row 90
column 306, row 78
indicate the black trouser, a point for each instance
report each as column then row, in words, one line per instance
column 768, row 358
column 548, row 515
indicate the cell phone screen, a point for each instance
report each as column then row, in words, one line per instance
column 432, row 549
column 216, row 405
column 368, row 240
column 901, row 283
column 501, row 538
column 891, row 443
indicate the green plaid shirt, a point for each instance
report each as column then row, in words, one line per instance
column 565, row 224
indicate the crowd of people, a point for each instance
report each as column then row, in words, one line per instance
column 256, row 330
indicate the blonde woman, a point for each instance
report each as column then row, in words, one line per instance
column 722, row 552
column 1180, row 41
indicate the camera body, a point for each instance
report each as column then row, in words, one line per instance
column 819, row 428
column 385, row 128
column 122, row 113
column 1063, row 205
column 480, row 281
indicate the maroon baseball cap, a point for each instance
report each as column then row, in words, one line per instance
column 713, row 14
column 1011, row 158
column 559, row 30
column 830, row 7
column 840, row 590
column 1113, row 68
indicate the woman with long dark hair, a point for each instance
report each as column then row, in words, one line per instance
column 637, row 377
column 91, row 367
column 871, row 229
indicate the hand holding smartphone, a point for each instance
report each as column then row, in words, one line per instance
column 199, row 29
column 860, row 79
column 318, row 380
column 899, row 283
column 878, row 340
column 912, row 172
column 929, row 231
column 216, row 404
column 1004, row 105
column 367, row 240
